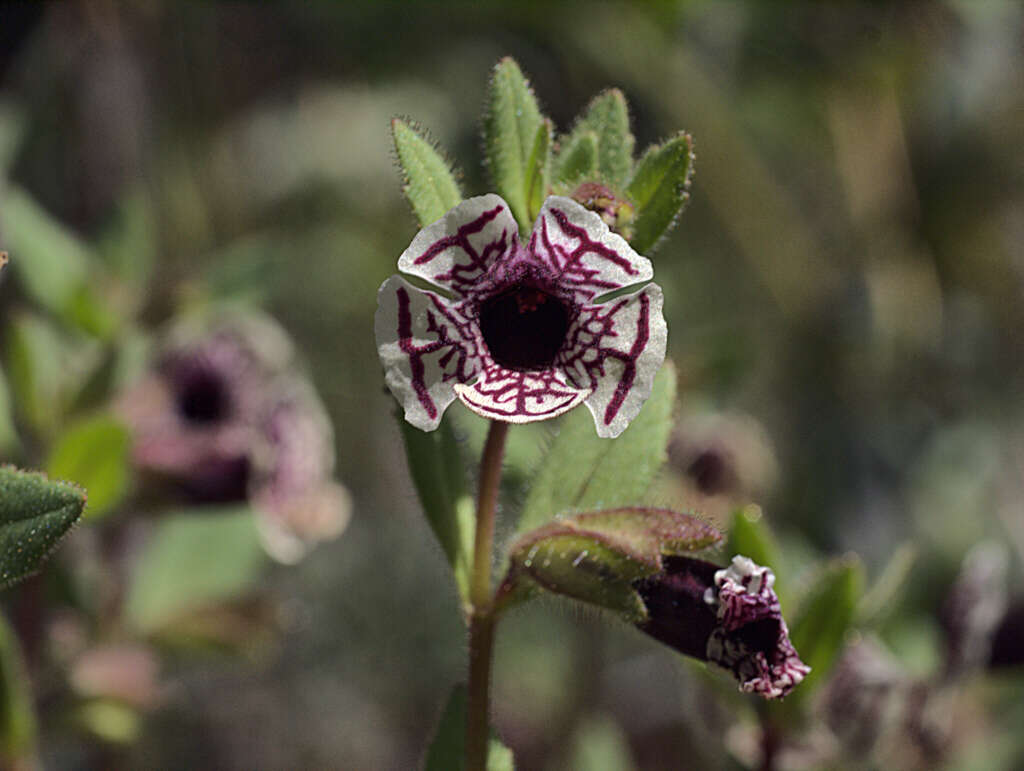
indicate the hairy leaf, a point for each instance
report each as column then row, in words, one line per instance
column 538, row 172
column 35, row 513
column 607, row 117
column 582, row 471
column 596, row 556
column 510, row 134
column 430, row 184
column 659, row 190
column 577, row 159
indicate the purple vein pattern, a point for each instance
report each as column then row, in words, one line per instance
column 434, row 350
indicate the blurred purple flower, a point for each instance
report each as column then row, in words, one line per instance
column 524, row 338
column 224, row 417
column 728, row 616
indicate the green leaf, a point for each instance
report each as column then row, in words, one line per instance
column 583, row 471
column 825, row 615
column 883, row 597
column 192, row 560
column 94, row 453
column 595, row 557
column 659, row 190
column 439, row 476
column 608, row 118
column 447, row 751
column 50, row 261
column 35, row 366
column 511, row 125
column 578, row 159
column 35, row 513
column 430, row 185
column 128, row 245
column 17, row 712
column 538, row 172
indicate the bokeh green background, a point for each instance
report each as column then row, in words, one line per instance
column 849, row 272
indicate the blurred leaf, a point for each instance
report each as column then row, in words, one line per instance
column 438, row 473
column 9, row 441
column 94, row 453
column 583, row 471
column 50, row 261
column 538, row 171
column 91, row 313
column 35, row 513
column 17, row 711
column 447, row 751
column 750, row 536
column 577, row 159
column 658, row 190
column 193, row 559
column 524, row 447
column 600, row 744
column 595, row 557
column 430, row 185
column 12, row 125
column 110, row 721
column 510, row 134
column 35, row 361
column 129, row 243
column 608, row 118
column 884, row 595
column 820, row 625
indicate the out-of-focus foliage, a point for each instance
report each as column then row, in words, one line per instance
column 847, row 277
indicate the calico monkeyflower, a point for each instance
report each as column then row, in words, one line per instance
column 728, row 616
column 521, row 333
column 225, row 417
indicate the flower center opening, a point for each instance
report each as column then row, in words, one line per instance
column 524, row 327
column 203, row 397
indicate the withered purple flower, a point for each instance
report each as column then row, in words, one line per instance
column 224, row 417
column 728, row 616
column 526, row 333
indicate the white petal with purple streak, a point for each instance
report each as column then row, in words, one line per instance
column 616, row 349
column 461, row 247
column 577, row 245
column 426, row 346
column 517, row 396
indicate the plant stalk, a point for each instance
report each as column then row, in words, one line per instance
column 481, row 621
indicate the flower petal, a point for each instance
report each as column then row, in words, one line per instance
column 426, row 346
column 577, row 245
column 616, row 349
column 752, row 639
column 516, row 396
column 454, row 252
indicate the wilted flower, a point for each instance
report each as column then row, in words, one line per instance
column 526, row 334
column 225, row 418
column 728, row 616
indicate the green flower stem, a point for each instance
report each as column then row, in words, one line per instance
column 481, row 622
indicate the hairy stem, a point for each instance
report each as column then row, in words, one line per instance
column 481, row 621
